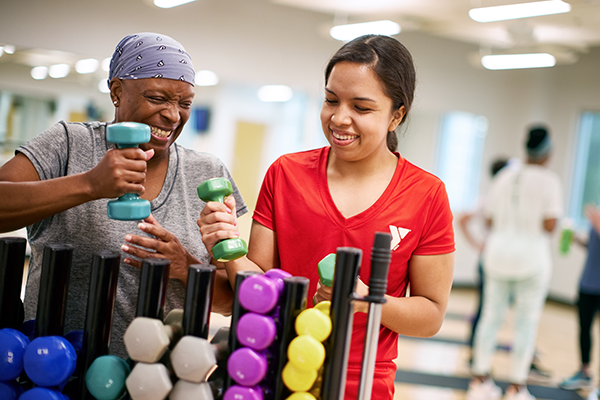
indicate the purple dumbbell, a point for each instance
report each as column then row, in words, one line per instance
column 50, row 361
column 247, row 367
column 260, row 293
column 12, row 350
column 256, row 331
column 236, row 392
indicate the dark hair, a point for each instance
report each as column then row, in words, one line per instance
column 498, row 165
column 392, row 63
column 536, row 135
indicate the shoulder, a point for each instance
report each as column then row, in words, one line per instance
column 299, row 159
column 417, row 178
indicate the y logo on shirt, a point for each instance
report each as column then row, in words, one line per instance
column 397, row 235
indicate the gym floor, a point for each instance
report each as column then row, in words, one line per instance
column 437, row 368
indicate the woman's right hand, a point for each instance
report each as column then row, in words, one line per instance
column 120, row 171
column 217, row 222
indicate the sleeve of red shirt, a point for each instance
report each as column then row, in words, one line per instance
column 264, row 212
column 438, row 233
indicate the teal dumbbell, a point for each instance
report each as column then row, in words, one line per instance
column 326, row 268
column 217, row 189
column 128, row 207
column 106, row 377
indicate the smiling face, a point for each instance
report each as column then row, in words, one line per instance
column 356, row 114
column 163, row 104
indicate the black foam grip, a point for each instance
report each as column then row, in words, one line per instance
column 54, row 285
column 381, row 256
column 12, row 263
column 337, row 346
column 198, row 300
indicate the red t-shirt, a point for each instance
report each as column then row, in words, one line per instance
column 295, row 202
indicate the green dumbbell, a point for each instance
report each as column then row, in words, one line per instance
column 105, row 379
column 326, row 268
column 128, row 207
column 217, row 189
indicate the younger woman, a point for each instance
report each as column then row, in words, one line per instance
column 315, row 201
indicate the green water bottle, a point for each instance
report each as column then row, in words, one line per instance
column 566, row 236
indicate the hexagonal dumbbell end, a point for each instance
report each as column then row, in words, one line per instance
column 184, row 390
column 193, row 359
column 147, row 339
column 149, row 382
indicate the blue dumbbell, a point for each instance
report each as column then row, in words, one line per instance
column 13, row 345
column 50, row 361
column 39, row 393
column 10, row 390
column 128, row 207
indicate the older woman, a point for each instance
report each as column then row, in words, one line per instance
column 58, row 185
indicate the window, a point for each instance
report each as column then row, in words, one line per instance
column 459, row 157
column 586, row 173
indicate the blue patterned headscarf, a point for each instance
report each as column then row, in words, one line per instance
column 151, row 55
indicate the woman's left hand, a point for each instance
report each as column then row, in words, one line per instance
column 164, row 244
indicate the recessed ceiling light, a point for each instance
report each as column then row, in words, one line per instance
column 9, row 49
column 275, row 93
column 206, row 78
column 86, row 66
column 518, row 61
column 516, row 11
column 352, row 31
column 39, row 73
column 170, row 3
column 59, row 70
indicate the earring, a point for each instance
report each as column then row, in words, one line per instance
column 115, row 102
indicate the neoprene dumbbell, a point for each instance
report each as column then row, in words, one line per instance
column 147, row 339
column 10, row 390
column 247, row 367
column 13, row 345
column 306, row 353
column 301, row 396
column 194, row 358
column 149, row 382
column 49, row 361
column 256, row 331
column 105, row 378
column 314, row 322
column 326, row 268
column 217, row 189
column 236, row 392
column 41, row 393
column 130, row 206
column 260, row 293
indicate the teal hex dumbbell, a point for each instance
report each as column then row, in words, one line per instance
column 128, row 207
column 217, row 189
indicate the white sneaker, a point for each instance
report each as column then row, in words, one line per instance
column 522, row 394
column 594, row 394
column 486, row 390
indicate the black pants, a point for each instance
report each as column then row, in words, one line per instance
column 587, row 304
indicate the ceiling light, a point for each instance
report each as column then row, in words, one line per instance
column 518, row 61
column 206, row 78
column 515, row 11
column 170, row 3
column 86, row 66
column 275, row 93
column 351, row 31
column 103, row 86
column 59, row 70
column 9, row 49
column 106, row 64
column 38, row 73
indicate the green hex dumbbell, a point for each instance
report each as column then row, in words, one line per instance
column 326, row 268
column 128, row 207
column 217, row 189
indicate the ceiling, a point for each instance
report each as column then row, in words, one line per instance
column 565, row 34
column 278, row 38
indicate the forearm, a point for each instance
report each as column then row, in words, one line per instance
column 412, row 316
column 223, row 294
column 25, row 203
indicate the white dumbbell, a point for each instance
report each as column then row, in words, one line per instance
column 149, row 382
column 147, row 339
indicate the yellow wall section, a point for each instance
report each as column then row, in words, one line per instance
column 246, row 166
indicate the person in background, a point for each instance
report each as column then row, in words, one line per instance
column 58, row 185
column 522, row 208
column 315, row 201
column 588, row 304
column 477, row 240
